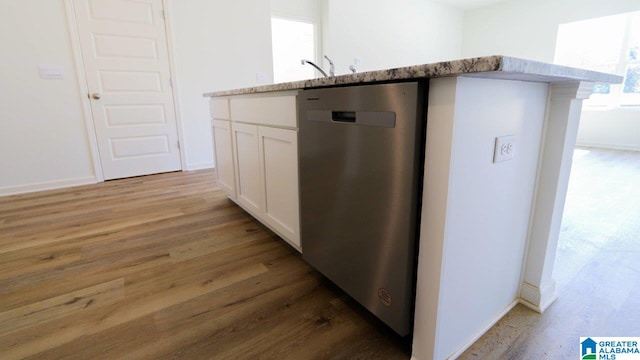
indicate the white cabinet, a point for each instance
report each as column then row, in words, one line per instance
column 250, row 192
column 219, row 108
column 265, row 110
column 279, row 169
column 256, row 150
column 223, row 152
column 222, row 145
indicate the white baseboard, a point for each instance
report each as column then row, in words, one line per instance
column 200, row 166
column 609, row 146
column 538, row 299
column 482, row 330
column 47, row 185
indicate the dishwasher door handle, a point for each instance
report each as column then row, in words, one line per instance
column 343, row 116
column 386, row 119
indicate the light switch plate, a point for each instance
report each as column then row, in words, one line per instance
column 505, row 148
column 50, row 72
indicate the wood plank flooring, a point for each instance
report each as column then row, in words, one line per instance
column 165, row 267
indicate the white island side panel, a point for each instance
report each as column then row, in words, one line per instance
column 476, row 213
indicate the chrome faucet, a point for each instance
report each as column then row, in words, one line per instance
column 304, row 61
column 332, row 68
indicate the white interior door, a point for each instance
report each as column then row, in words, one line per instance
column 126, row 60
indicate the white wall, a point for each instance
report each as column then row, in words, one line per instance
column 43, row 142
column 385, row 34
column 528, row 29
column 219, row 45
column 471, row 252
column 309, row 10
column 614, row 129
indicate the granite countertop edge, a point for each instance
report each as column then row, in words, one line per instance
column 495, row 66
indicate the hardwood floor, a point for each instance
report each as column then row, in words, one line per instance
column 165, row 267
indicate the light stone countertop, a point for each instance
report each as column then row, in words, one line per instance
column 497, row 67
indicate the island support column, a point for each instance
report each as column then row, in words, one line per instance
column 559, row 140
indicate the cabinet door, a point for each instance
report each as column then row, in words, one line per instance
column 249, row 189
column 279, row 167
column 223, row 152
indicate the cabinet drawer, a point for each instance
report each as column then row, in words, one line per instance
column 272, row 110
column 219, row 108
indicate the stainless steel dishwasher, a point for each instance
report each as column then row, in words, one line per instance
column 361, row 152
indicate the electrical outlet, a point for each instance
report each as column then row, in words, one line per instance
column 505, row 148
column 261, row 78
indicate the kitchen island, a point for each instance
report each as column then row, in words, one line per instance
column 490, row 214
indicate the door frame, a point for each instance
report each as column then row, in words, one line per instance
column 74, row 36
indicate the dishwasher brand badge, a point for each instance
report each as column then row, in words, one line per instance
column 384, row 296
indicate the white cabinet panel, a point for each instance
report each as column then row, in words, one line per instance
column 272, row 110
column 219, row 109
column 257, row 165
column 249, row 189
column 279, row 168
column 223, row 151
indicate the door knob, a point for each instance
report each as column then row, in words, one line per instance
column 95, row 96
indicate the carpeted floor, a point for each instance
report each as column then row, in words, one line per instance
column 597, row 269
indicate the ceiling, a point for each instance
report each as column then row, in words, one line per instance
column 469, row 4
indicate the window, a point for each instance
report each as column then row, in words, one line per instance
column 608, row 44
column 291, row 42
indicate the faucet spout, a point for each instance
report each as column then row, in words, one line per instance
column 332, row 69
column 304, row 61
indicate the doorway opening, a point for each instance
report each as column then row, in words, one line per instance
column 292, row 41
